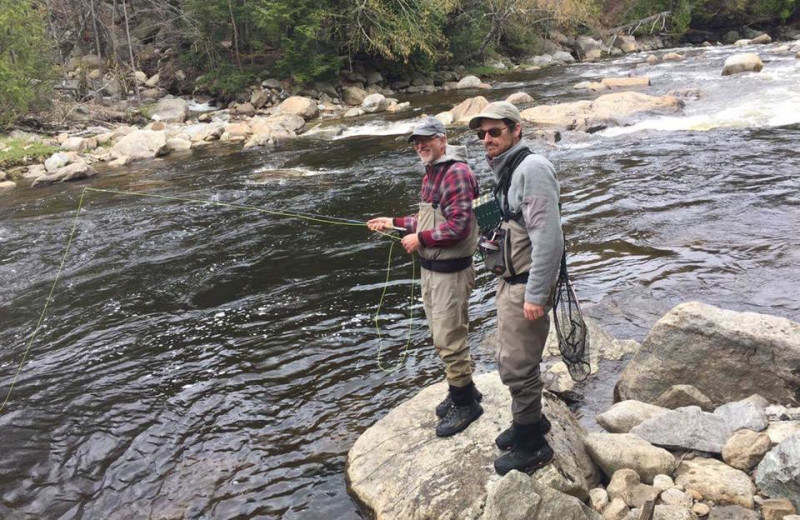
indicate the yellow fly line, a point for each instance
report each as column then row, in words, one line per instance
column 320, row 219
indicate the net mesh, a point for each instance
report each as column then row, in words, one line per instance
column 573, row 336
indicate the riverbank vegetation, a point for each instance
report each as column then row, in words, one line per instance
column 221, row 46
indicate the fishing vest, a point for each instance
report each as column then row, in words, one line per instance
column 513, row 260
column 444, row 259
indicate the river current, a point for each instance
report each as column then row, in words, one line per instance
column 211, row 363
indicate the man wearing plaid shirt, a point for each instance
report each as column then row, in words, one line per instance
column 445, row 235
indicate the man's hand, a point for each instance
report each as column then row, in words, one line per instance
column 411, row 243
column 532, row 311
column 380, row 224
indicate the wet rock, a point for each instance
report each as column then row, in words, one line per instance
column 680, row 396
column 686, row 428
column 540, row 61
column 607, row 110
column 725, row 354
column 7, row 185
column 716, row 481
column 563, row 58
column 354, row 112
column 615, row 451
column 598, row 499
column 203, row 131
column 178, row 144
column 590, row 85
column 353, row 95
column 375, row 103
column 738, row 63
column 626, row 82
column 449, row 476
column 743, row 414
column 745, row 449
column 742, row 43
column 58, row 160
column 300, row 106
column 171, row 110
column 616, row 510
column 686, row 93
column 77, row 170
column 651, row 59
column 119, row 161
column 761, row 40
column 777, row 509
column 780, row 430
column 673, row 56
column 626, row 485
column 468, row 82
column 518, row 496
column 142, row 144
column 464, row 111
column 519, row 98
column 778, row 473
column 233, row 130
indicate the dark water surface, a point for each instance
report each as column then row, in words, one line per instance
column 212, row 363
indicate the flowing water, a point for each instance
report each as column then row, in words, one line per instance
column 212, row 363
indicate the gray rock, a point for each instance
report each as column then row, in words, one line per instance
column 686, row 428
column 616, row 510
column 142, row 144
column 468, row 82
column 778, row 474
column 7, row 185
column 598, row 499
column 743, row 414
column 464, row 111
column 353, row 95
column 732, row 513
column 626, row 485
column 299, row 106
column 615, row 451
column 559, row 505
column 519, row 98
column 665, row 512
column 676, row 497
column 58, row 160
column 171, row 110
column 663, row 482
column 75, row 144
column 449, row 476
column 374, row 78
column 623, row 416
column 725, row 354
column 259, row 98
column 563, row 57
column 513, row 497
column 716, row 481
column 679, row 396
column 272, row 83
column 375, row 103
column 745, row 449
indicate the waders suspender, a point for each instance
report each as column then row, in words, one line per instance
column 505, row 183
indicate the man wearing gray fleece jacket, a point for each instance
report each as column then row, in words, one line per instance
column 532, row 245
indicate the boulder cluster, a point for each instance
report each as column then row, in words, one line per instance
column 690, row 435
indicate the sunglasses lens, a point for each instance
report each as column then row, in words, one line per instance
column 494, row 132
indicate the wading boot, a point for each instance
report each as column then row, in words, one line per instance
column 464, row 411
column 529, row 450
column 444, row 407
column 503, row 441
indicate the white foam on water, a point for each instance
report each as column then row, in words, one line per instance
column 194, row 106
column 373, row 128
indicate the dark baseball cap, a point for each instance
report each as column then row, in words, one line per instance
column 428, row 127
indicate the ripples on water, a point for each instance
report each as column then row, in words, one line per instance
column 206, row 362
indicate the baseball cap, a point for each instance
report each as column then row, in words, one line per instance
column 428, row 127
column 496, row 110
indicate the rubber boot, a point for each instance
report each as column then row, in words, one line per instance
column 529, row 450
column 464, row 411
column 444, row 407
column 503, row 441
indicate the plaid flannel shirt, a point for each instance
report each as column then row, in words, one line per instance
column 455, row 187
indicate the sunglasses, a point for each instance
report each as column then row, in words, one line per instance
column 494, row 132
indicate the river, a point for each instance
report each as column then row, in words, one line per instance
column 207, row 362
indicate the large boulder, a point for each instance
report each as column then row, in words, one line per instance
column 353, row 95
column 142, row 144
column 747, row 62
column 743, row 414
column 170, row 110
column 727, row 355
column 588, row 48
column 607, row 110
column 716, row 481
column 761, row 40
column 679, row 396
column 626, row 42
column 615, row 451
column 623, row 416
column 778, row 474
column 449, row 476
column 517, row 496
column 375, row 103
column 464, row 111
column 519, row 98
column 299, row 106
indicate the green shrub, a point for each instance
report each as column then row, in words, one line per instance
column 17, row 152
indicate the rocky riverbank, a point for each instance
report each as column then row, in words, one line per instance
column 709, row 428
column 275, row 111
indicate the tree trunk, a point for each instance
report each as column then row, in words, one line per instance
column 97, row 37
column 130, row 51
column 235, row 36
